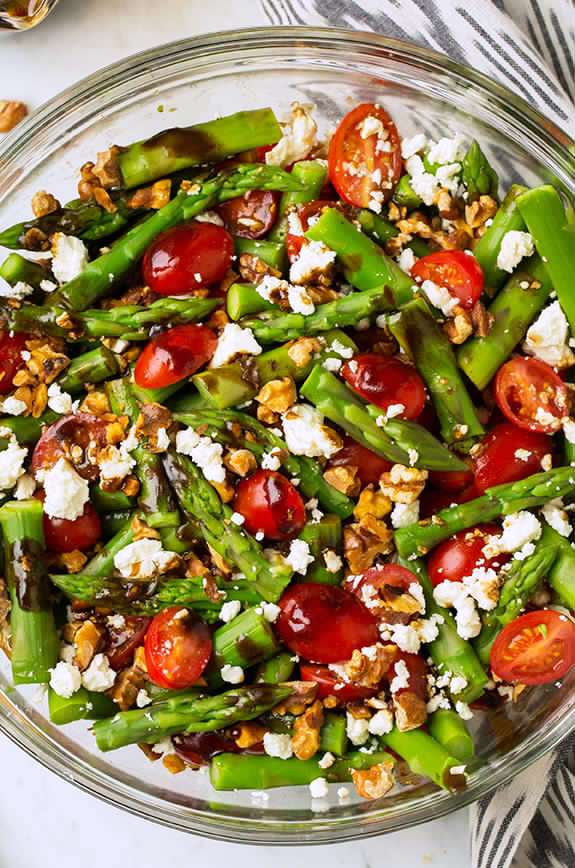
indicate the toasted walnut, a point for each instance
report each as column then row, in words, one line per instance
column 174, row 763
column 395, row 213
column 344, row 478
column 35, row 239
column 368, row 665
column 115, row 433
column 153, row 197
column 306, row 731
column 11, row 113
column 39, row 400
column 44, row 203
column 219, row 563
column 107, row 169
column 5, row 606
column 194, row 566
column 152, row 418
column 148, row 750
column 321, row 294
column 129, row 682
column 74, row 561
column 95, row 403
column 403, row 484
column 278, row 395
column 482, row 320
column 330, row 702
column 249, row 734
column 302, row 351
column 104, row 200
column 252, row 268
column 375, row 782
column 46, row 363
column 141, row 530
column 395, row 245
column 459, row 327
column 416, row 224
column 364, row 541
column 225, row 490
column 241, row 462
column 410, row 710
column 478, row 212
column 303, row 694
column 445, row 205
column 267, row 416
column 372, row 503
column 88, row 640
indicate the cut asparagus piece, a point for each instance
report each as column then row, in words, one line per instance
column 275, row 670
column 447, row 728
column 312, row 175
column 477, row 174
column 321, row 536
column 561, row 576
column 273, row 253
column 82, row 705
column 425, row 756
column 91, row 367
column 243, row 299
column 16, row 269
column 486, row 251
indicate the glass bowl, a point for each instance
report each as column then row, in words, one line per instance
column 194, row 80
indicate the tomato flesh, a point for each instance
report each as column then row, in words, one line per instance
column 79, row 429
column 174, row 355
column 363, row 163
column 531, row 395
column 417, row 669
column 64, row 535
column 535, row 648
column 379, row 587
column 270, row 504
column 188, row 257
column 456, row 558
column 450, row 480
column 328, row 684
column 304, row 213
column 507, row 454
column 324, row 623
column 369, row 464
column 11, row 361
column 251, row 215
column 123, row 640
column 458, row 272
column 178, row 646
column 386, row 381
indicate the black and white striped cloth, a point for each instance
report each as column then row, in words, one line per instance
column 528, row 45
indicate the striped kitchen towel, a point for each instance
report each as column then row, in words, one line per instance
column 529, row 46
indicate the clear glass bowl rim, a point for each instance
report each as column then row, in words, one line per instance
column 539, row 135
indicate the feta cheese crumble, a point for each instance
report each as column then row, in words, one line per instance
column 401, row 677
column 514, row 246
column 519, row 529
column 333, row 562
column 143, row 559
column 232, row 674
column 547, row 339
column 306, row 434
column 18, row 292
column 69, row 257
column 314, row 259
column 381, row 723
column 439, row 297
column 13, row 406
column 299, row 557
column 229, row 611
column 556, row 517
column 99, row 676
column 414, row 145
column 205, row 454
column 65, row 679
column 447, row 150
column 298, row 139
column 278, row 745
column 357, row 729
column 234, row 341
column 25, row 487
column 318, row 788
column 58, row 400
column 271, row 612
column 326, row 761
column 66, row 492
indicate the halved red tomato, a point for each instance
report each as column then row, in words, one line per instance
column 178, row 646
column 365, row 156
column 531, row 395
column 304, row 213
column 11, row 361
column 457, row 557
column 124, row 639
column 251, row 215
column 328, row 684
column 188, row 257
column 379, row 587
column 66, row 535
column 369, row 464
column 458, row 272
column 507, row 454
column 270, row 504
column 79, row 429
column 450, row 480
column 535, row 648
column 385, row 381
column 174, row 355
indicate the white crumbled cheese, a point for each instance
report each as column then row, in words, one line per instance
column 162, row 440
column 523, row 454
column 404, row 514
column 555, row 516
column 401, row 677
column 375, row 201
column 427, row 629
column 116, row 464
column 237, row 518
column 278, row 745
column 206, row 454
column 59, row 401
column 48, row 286
column 298, row 139
column 66, row 492
column 545, row 418
column 483, row 586
column 143, row 698
column 18, row 292
column 439, row 297
column 116, row 622
column 343, row 794
column 416, row 591
column 306, row 434
column 163, row 747
column 467, row 619
column 519, row 529
column 99, row 676
column 25, row 487
column 381, row 723
column 447, row 150
column 229, row 611
column 299, row 300
column 341, row 349
column 438, row 700
column 548, row 338
column 314, row 258
column 318, row 788
column 271, row 612
column 69, row 257
column 270, row 287
column 13, row 406
column 448, row 177
column 514, row 246
column 326, row 761
column 299, row 557
column 143, row 559
column 464, row 712
column 271, row 460
column 357, row 729
column 294, row 223
column 234, row 341
column 333, row 562
column 232, row 674
column 67, row 653
column 405, row 637
column 414, row 145
column 332, row 365
column 209, row 217
column 569, row 429
column 372, row 126
column 457, row 684
column 65, row 679
column 394, row 410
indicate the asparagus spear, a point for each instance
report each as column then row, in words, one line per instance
column 477, row 174
column 404, row 194
column 183, row 715
column 447, row 728
column 312, row 174
column 243, row 299
column 244, row 641
column 112, row 522
column 375, row 226
column 536, row 490
column 200, row 501
column 321, row 535
column 333, row 735
column 425, row 756
column 486, row 251
column 229, row 771
column 273, row 253
column 16, row 268
column 27, row 429
column 172, row 150
column 392, row 439
column 554, row 237
column 435, row 361
column 91, row 367
column 86, row 220
column 275, row 670
column 82, row 705
column 102, row 564
column 561, row 575
column 35, row 642
column 513, row 309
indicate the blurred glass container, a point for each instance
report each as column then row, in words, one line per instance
column 24, row 14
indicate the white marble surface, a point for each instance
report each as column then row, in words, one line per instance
column 44, row 820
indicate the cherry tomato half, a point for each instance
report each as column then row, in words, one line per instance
column 178, row 646
column 385, row 381
column 304, row 213
column 80, row 429
column 174, row 355
column 11, row 348
column 365, row 155
column 457, row 557
column 508, row 453
column 417, row 669
column 63, row 535
column 535, row 648
column 455, row 270
column 433, row 500
column 123, row 640
column 324, row 623
column 531, row 395
column 378, row 589
column 251, row 215
column 188, row 257
column 328, row 684
column 369, row 464
column 270, row 504
column 451, row 480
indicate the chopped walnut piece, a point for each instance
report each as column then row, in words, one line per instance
column 35, row 239
column 148, row 750
column 241, row 462
column 375, row 782
column 115, row 433
column 364, row 541
column 410, row 710
column 306, row 731
column 303, row 694
column 252, row 268
column 369, row 668
column 95, row 403
column 130, row 681
column 372, row 503
column 107, row 169
column 153, row 197
column 220, row 564
column 249, row 734
column 5, row 606
column 459, row 327
column 88, row 640
column 278, row 395
column 225, row 490
column 152, row 418
column 302, row 351
column 194, row 566
column 267, row 416
column 39, row 400
column 403, row 484
column 174, row 763
column 141, row 530
column 46, row 363
column 321, row 294
column 482, row 320
column 478, row 212
column 11, row 113
column 44, row 203
column 104, row 200
column 344, row 479
column 74, row 561
column 130, row 486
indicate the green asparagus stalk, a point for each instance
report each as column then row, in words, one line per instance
column 184, row 715
column 561, row 576
column 243, row 299
column 447, row 728
column 378, row 229
column 513, row 309
column 91, row 367
column 486, row 251
column 27, row 429
column 273, row 253
column 275, row 670
column 333, row 735
column 338, row 403
column 176, row 149
column 405, row 195
column 230, row 771
column 34, row 641
column 112, row 522
column 102, row 564
column 110, row 501
column 320, row 536
column 477, row 174
column 312, row 175
column 435, row 361
column 425, row 756
column 16, row 268
column 245, row 640
column 82, row 705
